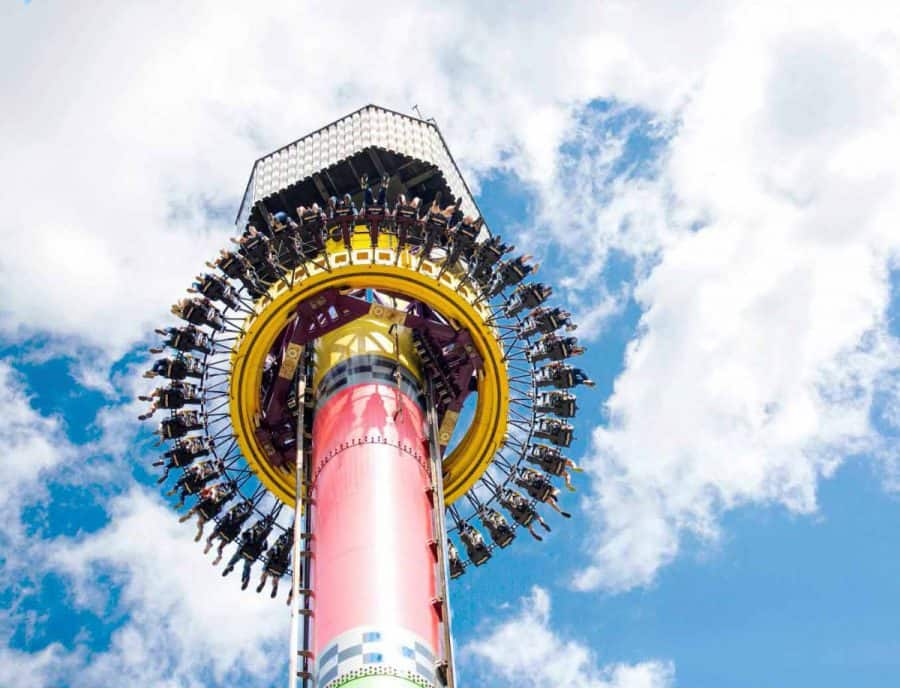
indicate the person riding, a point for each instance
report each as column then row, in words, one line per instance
column 457, row 568
column 285, row 235
column 174, row 396
column 342, row 219
column 215, row 288
column 539, row 487
column 312, row 230
column 236, row 266
column 252, row 544
column 178, row 425
column 476, row 548
column 277, row 561
column 554, row 347
column 526, row 296
column 522, row 511
column 551, row 460
column 183, row 453
column 375, row 210
column 194, row 479
column 545, row 321
column 410, row 231
column 228, row 528
column 177, row 368
column 435, row 226
column 487, row 254
column 184, row 339
column 562, row 404
column 510, row 273
column 211, row 500
column 561, row 376
column 463, row 239
column 557, row 431
column 501, row 532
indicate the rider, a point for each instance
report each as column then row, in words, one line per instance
column 501, row 532
column 526, row 296
column 183, row 453
column 195, row 477
column 553, row 462
column 211, row 500
column 277, row 561
column 563, row 404
column 539, row 487
column 253, row 544
column 561, row 376
column 229, row 527
column 178, row 368
column 522, row 511
column 557, row 431
column 475, row 546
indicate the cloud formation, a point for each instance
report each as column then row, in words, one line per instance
column 524, row 650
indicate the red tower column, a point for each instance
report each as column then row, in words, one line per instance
column 373, row 567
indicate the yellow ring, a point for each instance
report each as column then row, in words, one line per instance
column 468, row 461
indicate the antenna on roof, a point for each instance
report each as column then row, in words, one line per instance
column 423, row 117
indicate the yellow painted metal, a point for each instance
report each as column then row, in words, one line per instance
column 365, row 335
column 382, row 269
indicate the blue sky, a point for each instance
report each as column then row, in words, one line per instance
column 714, row 192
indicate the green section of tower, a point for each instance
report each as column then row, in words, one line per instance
column 382, row 682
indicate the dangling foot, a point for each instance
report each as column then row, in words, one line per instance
column 226, row 571
column 144, row 398
column 273, row 593
column 571, row 488
column 363, row 181
column 244, row 584
column 260, row 587
column 208, row 547
column 576, row 469
column 546, row 527
column 565, row 514
column 217, row 560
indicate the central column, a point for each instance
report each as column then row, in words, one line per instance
column 373, row 569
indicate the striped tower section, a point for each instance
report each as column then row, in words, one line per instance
column 373, row 568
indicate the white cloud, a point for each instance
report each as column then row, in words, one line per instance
column 123, row 146
column 184, row 621
column 524, row 650
column 764, row 334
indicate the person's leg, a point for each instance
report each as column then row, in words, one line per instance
column 209, row 542
column 533, row 534
column 190, row 513
column 229, row 567
column 201, row 524
column 245, row 574
column 275, row 580
column 222, row 543
column 262, row 581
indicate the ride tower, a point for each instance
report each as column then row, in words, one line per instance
column 365, row 380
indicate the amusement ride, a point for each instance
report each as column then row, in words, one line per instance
column 368, row 394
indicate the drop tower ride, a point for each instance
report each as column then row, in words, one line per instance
column 365, row 384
